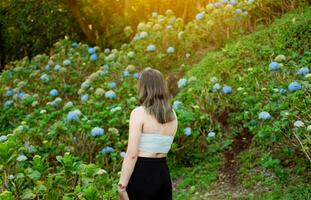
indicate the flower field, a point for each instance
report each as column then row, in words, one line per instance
column 64, row 116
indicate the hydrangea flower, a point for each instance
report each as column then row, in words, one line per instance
column 105, row 67
column 9, row 93
column 211, row 134
column 122, row 154
column 97, row 131
column 309, row 128
column 280, row 58
column 151, row 47
column 216, row 87
column 68, row 104
column 93, row 57
column 168, row 27
column 250, row 1
column 74, row 44
column 126, row 73
column 47, row 67
column 282, row 91
column 110, row 94
column 91, row 50
column 187, row 131
column 136, row 37
column 182, row 82
column 67, row 62
column 86, row 84
column 131, row 54
column 57, row 68
column 217, row 4
column 107, row 50
column 115, row 109
column 143, row 34
column 45, row 78
column 274, row 66
column 3, row 138
column 294, row 86
column 214, row 79
column 21, row 94
column 84, row 98
column 112, row 85
column 224, row 1
column 136, row 75
column 74, row 115
column 154, row 14
column 107, row 150
column 303, row 71
column 199, row 16
column 21, row 158
column 233, row 2
column 299, row 124
column 170, row 50
column 238, row 11
column 176, row 104
column 54, row 93
column 264, row 115
column 227, row 90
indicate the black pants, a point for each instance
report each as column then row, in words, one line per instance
column 150, row 180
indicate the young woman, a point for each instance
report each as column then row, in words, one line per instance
column 152, row 128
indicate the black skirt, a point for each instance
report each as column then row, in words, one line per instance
column 150, row 180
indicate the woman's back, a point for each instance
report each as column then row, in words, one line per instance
column 156, row 135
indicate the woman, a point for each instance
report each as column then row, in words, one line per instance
column 152, row 127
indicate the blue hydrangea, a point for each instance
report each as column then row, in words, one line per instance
column 126, row 73
column 112, row 85
column 274, row 66
column 73, row 115
column 187, row 131
column 122, row 154
column 227, row 89
column 45, row 78
column 211, row 134
column 105, row 67
column 54, row 93
column 264, row 115
column 74, row 44
column 84, row 98
column 3, row 138
column 181, row 82
column 8, row 103
column 250, row 1
column 216, row 87
column 136, row 37
column 91, row 50
column 10, row 73
column 238, row 11
column 47, row 67
column 199, row 16
column 110, row 94
column 176, row 104
column 151, row 47
column 57, row 68
column 97, row 131
column 93, row 57
column 143, row 34
column 67, row 62
column 136, row 75
column 294, row 86
column 21, row 94
column 107, row 150
column 303, row 71
column 69, row 104
column 21, row 158
column 9, row 93
column 170, row 50
column 103, row 72
column 233, row 2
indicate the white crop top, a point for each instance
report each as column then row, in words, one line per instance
column 155, row 142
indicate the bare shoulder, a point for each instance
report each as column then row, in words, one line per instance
column 137, row 112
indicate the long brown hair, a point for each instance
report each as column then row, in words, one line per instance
column 154, row 95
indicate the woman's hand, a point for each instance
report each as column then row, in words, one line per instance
column 122, row 192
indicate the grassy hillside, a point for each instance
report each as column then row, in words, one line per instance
column 253, row 155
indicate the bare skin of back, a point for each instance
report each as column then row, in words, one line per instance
column 151, row 125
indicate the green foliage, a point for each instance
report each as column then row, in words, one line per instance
column 31, row 27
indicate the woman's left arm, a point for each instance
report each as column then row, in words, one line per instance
column 129, row 161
